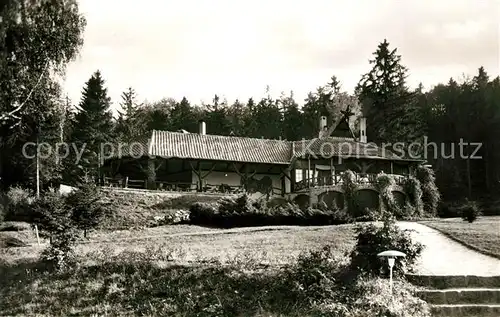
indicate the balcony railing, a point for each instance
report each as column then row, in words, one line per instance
column 180, row 186
column 333, row 180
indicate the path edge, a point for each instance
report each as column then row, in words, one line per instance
column 465, row 244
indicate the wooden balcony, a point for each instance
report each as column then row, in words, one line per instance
column 335, row 180
column 171, row 186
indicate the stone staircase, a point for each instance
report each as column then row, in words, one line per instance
column 459, row 296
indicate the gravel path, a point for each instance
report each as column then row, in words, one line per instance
column 443, row 256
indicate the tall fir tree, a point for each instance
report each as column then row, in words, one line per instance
column 392, row 112
column 250, row 123
column 237, row 113
column 93, row 125
column 268, row 118
column 216, row 117
column 128, row 125
column 292, row 118
column 183, row 116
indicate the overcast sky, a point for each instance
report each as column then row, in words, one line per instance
column 198, row 48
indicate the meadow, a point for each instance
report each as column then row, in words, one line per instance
column 184, row 270
column 186, row 244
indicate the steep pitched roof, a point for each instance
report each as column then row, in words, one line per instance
column 342, row 129
column 343, row 147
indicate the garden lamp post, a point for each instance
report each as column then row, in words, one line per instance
column 391, row 256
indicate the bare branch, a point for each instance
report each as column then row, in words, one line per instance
column 12, row 114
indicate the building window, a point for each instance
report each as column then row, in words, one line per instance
column 298, row 175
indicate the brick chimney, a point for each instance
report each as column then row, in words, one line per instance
column 362, row 130
column 322, row 126
column 202, row 128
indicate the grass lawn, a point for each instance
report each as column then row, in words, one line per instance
column 157, row 271
column 184, row 244
column 483, row 234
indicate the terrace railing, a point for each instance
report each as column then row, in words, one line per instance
column 333, row 180
column 171, row 186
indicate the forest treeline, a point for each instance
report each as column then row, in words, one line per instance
column 32, row 109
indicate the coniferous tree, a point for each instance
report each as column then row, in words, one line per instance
column 216, row 117
column 391, row 109
column 237, row 113
column 312, row 111
column 93, row 125
column 183, row 116
column 128, row 126
column 251, row 125
column 268, row 118
column 292, row 118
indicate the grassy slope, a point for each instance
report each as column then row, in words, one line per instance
column 483, row 234
column 132, row 209
column 131, row 272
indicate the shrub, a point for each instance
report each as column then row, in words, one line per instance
column 11, row 242
column 240, row 205
column 458, row 209
column 413, row 190
column 15, row 226
column 349, row 186
column 185, row 201
column 371, row 240
column 326, row 284
column 244, row 212
column 56, row 222
column 87, row 207
column 430, row 192
column 177, row 216
column 373, row 298
column 316, row 276
column 368, row 214
column 203, row 213
column 17, row 204
column 448, row 210
column 384, row 184
column 470, row 211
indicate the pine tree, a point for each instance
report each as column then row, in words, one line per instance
column 128, row 126
column 251, row 126
column 216, row 117
column 391, row 109
column 93, row 123
column 183, row 116
column 292, row 118
column 237, row 115
column 268, row 118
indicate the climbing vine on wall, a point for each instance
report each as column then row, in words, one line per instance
column 385, row 184
column 349, row 186
column 414, row 204
column 430, row 192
